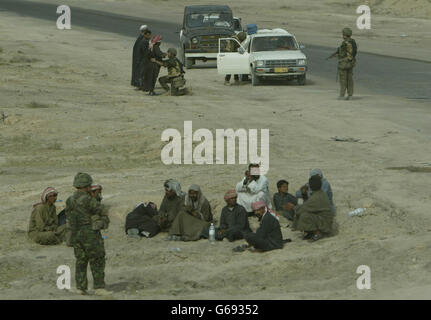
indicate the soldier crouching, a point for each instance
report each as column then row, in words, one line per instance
column 175, row 74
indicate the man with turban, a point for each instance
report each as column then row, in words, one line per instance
column 172, row 204
column 43, row 227
column 268, row 236
column 196, row 216
column 305, row 191
column 233, row 219
column 314, row 217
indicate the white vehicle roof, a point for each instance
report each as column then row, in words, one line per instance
column 271, row 32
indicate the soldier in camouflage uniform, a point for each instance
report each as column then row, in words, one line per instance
column 346, row 62
column 85, row 236
column 175, row 70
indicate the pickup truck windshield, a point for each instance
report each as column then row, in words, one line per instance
column 274, row 43
column 209, row 19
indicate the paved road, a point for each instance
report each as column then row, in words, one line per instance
column 380, row 74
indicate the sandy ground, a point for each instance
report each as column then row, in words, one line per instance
column 70, row 108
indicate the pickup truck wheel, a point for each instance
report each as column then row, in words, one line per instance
column 189, row 63
column 301, row 80
column 255, row 81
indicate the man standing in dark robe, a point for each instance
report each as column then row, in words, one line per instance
column 136, row 57
column 144, row 67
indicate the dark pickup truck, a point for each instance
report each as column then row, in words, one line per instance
column 203, row 25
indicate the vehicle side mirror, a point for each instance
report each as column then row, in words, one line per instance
column 241, row 50
column 301, row 46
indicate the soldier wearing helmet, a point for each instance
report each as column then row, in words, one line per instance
column 346, row 53
column 84, row 236
column 232, row 46
column 175, row 73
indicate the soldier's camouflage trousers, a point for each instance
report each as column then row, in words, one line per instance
column 346, row 81
column 89, row 247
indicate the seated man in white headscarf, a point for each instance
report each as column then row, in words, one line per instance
column 172, row 204
column 196, row 216
column 43, row 227
column 305, row 191
column 254, row 187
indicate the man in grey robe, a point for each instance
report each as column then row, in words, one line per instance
column 196, row 216
column 305, row 191
column 172, row 204
column 314, row 217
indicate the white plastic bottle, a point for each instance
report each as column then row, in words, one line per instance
column 357, row 212
column 212, row 234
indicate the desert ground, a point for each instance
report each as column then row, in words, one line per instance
column 66, row 105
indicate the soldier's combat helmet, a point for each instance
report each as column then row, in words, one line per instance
column 172, row 51
column 347, row 32
column 242, row 36
column 82, row 180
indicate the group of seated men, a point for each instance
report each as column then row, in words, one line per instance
column 188, row 216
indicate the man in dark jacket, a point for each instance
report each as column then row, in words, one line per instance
column 268, row 236
column 145, row 67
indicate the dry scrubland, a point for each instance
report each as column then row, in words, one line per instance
column 68, row 106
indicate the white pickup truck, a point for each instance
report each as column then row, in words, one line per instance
column 266, row 54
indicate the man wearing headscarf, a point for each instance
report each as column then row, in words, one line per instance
column 196, row 216
column 233, row 219
column 43, row 228
column 305, row 191
column 172, row 204
column 268, row 236
column 314, row 217
column 136, row 57
column 156, row 53
column 253, row 187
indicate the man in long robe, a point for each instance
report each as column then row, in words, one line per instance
column 254, row 187
column 136, row 57
column 233, row 219
column 314, row 217
column 196, row 216
column 145, row 67
column 172, row 204
column 268, row 236
column 43, row 227
column 305, row 191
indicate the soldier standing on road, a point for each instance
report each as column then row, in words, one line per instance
column 85, row 237
column 346, row 62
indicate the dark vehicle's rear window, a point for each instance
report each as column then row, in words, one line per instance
column 209, row 19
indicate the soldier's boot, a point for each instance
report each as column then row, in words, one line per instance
column 81, row 292
column 102, row 292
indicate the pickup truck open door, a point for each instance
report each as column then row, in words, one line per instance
column 232, row 62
